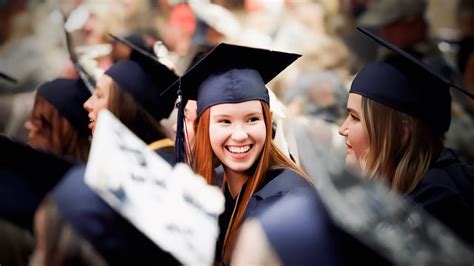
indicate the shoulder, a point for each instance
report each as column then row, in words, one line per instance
column 448, row 196
column 282, row 181
column 283, row 186
column 435, row 187
column 299, row 229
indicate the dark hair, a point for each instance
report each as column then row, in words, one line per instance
column 134, row 116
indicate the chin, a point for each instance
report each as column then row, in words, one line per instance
column 352, row 163
column 239, row 166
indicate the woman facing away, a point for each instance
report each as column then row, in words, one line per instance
column 398, row 112
column 131, row 90
column 58, row 123
column 234, row 130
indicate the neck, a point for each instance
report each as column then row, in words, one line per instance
column 235, row 181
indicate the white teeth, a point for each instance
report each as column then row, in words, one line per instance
column 241, row 149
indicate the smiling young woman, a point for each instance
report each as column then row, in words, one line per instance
column 234, row 131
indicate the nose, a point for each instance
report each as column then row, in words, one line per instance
column 343, row 129
column 88, row 105
column 28, row 125
column 239, row 133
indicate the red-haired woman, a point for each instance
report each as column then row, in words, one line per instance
column 234, row 130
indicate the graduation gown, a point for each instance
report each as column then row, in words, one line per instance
column 447, row 192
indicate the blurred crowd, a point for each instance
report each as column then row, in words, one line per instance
column 42, row 40
column 33, row 47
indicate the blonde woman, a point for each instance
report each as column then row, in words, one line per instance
column 398, row 112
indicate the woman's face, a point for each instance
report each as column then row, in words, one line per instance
column 357, row 138
column 99, row 100
column 237, row 134
column 40, row 125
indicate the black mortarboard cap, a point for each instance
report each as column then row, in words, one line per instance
column 231, row 74
column 144, row 78
column 116, row 239
column 26, row 176
column 406, row 84
column 228, row 74
column 68, row 97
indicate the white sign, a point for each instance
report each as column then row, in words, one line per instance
column 174, row 207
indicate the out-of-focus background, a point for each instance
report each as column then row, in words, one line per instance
column 313, row 90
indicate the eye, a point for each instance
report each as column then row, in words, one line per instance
column 223, row 121
column 353, row 117
column 253, row 119
column 44, row 123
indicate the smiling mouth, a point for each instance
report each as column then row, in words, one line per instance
column 239, row 149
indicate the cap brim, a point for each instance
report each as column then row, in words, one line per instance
column 226, row 56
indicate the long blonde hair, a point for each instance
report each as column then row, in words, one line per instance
column 399, row 156
column 205, row 162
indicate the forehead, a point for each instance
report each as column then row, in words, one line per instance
column 236, row 109
column 41, row 105
column 354, row 102
column 104, row 82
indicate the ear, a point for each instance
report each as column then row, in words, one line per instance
column 406, row 127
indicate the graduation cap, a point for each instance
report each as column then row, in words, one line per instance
column 116, row 239
column 68, row 97
column 144, row 77
column 406, row 84
column 8, row 78
column 26, row 175
column 227, row 74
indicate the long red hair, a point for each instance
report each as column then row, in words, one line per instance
column 204, row 163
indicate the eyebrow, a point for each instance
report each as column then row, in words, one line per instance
column 254, row 113
column 246, row 115
column 350, row 110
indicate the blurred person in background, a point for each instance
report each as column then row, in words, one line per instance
column 317, row 105
column 26, row 175
column 89, row 24
column 322, row 95
column 131, row 90
column 92, row 233
column 461, row 134
column 58, row 123
column 32, row 53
